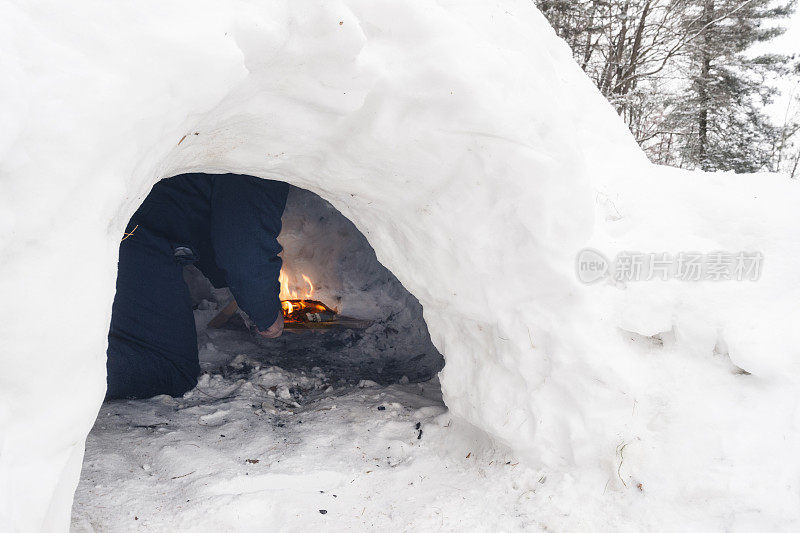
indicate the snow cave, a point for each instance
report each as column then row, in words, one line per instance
column 371, row 327
column 460, row 142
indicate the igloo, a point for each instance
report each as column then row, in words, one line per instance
column 478, row 161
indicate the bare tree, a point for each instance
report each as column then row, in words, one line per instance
column 661, row 63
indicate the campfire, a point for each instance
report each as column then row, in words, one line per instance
column 297, row 308
column 298, row 311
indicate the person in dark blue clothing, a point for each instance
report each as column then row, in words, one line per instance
column 225, row 224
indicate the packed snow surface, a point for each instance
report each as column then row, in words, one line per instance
column 257, row 448
column 477, row 159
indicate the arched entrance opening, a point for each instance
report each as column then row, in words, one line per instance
column 363, row 379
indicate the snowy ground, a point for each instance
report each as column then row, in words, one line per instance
column 258, row 448
column 250, row 461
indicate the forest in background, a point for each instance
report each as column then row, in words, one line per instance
column 685, row 77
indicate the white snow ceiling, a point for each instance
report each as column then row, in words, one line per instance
column 459, row 137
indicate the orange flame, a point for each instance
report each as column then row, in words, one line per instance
column 296, row 301
column 290, row 291
column 310, row 287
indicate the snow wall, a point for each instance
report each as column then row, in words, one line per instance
column 477, row 159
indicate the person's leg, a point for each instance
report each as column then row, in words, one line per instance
column 152, row 344
column 245, row 224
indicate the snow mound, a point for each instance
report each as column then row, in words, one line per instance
column 477, row 159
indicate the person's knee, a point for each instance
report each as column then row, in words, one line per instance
column 136, row 373
column 185, row 379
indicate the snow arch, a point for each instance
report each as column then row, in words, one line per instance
column 459, row 137
column 417, row 122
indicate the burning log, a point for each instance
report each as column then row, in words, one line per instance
column 297, row 310
column 307, row 311
column 294, row 312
